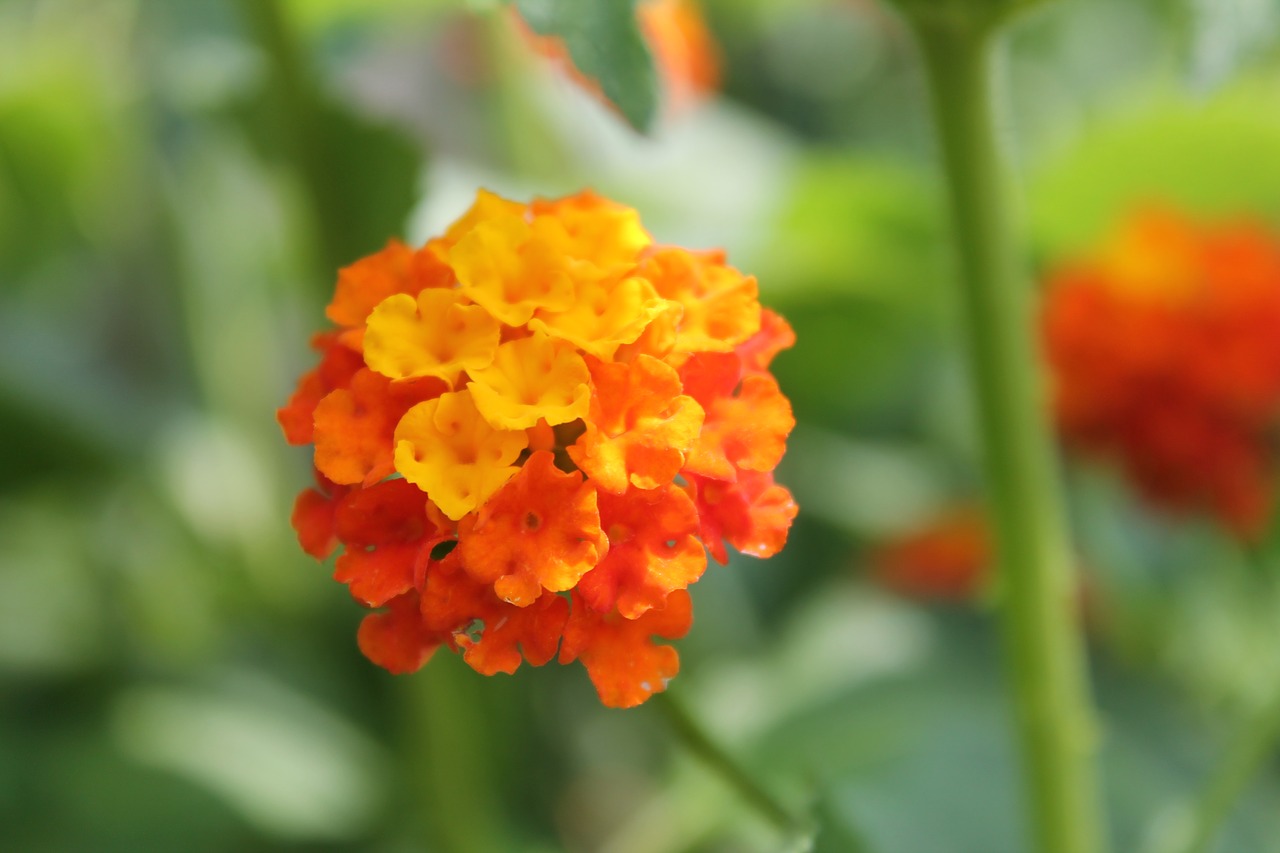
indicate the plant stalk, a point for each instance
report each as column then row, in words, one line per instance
column 704, row 747
column 1038, row 600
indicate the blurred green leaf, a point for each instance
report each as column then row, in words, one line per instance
column 1215, row 159
column 360, row 176
column 604, row 39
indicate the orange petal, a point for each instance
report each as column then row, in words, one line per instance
column 653, row 550
column 775, row 335
column 387, row 532
column 624, row 663
column 752, row 513
column 354, row 426
column 448, row 450
column 639, row 427
column 492, row 634
column 721, row 307
column 313, row 517
column 394, row 269
column 540, row 531
column 396, row 639
column 337, row 365
column 747, row 431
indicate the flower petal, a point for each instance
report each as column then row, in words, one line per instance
column 540, row 531
column 639, row 427
column 437, row 334
column 531, row 379
column 624, row 663
column 447, row 449
column 653, row 550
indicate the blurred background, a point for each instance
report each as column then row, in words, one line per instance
column 179, row 182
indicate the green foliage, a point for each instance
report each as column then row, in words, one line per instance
column 1214, row 158
column 604, row 39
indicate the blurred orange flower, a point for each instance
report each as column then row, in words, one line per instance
column 684, row 51
column 949, row 559
column 1165, row 352
column 528, row 432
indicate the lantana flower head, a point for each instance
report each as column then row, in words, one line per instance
column 530, row 431
column 1165, row 352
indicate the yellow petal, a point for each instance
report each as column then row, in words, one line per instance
column 433, row 335
column 513, row 267
column 445, row 448
column 531, row 378
column 604, row 316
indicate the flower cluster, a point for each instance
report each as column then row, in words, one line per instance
column 684, row 51
column 1165, row 351
column 527, row 430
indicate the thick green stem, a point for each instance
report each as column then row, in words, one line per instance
column 1038, row 600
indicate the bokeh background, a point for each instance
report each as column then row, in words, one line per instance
column 179, row 182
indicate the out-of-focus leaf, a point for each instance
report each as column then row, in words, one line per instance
column 857, row 224
column 364, row 176
column 286, row 764
column 603, row 38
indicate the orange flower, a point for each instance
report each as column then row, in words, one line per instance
column 683, row 49
column 948, row 559
column 1165, row 351
column 528, row 432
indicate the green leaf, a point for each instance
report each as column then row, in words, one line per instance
column 1214, row 159
column 604, row 40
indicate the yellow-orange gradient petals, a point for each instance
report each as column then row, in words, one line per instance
column 603, row 233
column 447, row 449
column 531, row 379
column 604, row 316
column 720, row 304
column 436, row 334
column 753, row 513
column 747, row 429
column 639, row 428
column 386, row 530
column 396, row 639
column 493, row 635
column 624, row 663
column 354, row 426
column 513, row 267
column 395, row 269
column 540, row 531
column 653, row 550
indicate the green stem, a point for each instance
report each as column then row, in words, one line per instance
column 1253, row 745
column 1039, row 607
column 698, row 742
